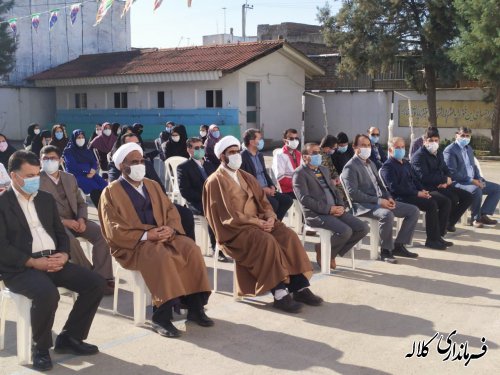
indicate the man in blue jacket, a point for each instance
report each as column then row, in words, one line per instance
column 459, row 158
column 430, row 169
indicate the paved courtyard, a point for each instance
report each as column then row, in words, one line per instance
column 371, row 318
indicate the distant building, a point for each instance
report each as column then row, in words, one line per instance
column 209, row 40
column 292, row 32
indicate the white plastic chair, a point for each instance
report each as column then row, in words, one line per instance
column 135, row 284
column 86, row 247
column 171, row 181
column 235, row 286
column 374, row 227
column 202, row 235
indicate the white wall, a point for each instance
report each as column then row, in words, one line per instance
column 21, row 106
column 354, row 113
column 38, row 51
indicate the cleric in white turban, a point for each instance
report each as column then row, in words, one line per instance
column 123, row 151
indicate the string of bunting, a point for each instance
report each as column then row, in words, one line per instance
column 102, row 10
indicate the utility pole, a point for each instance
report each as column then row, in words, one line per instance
column 244, row 8
column 224, row 9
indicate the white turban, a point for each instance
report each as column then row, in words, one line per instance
column 224, row 143
column 123, row 151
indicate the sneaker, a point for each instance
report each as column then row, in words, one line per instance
column 477, row 224
column 307, row 297
column 402, row 251
column 386, row 256
column 287, row 304
column 488, row 221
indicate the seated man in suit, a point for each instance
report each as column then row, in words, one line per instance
column 253, row 163
column 73, row 212
column 34, row 253
column 371, row 199
column 459, row 157
column 430, row 169
column 144, row 231
column 398, row 176
column 323, row 206
column 191, row 176
column 378, row 155
column 268, row 255
column 187, row 220
column 286, row 161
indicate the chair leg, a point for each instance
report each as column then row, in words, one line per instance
column 115, row 293
column 139, row 302
column 374, row 239
column 355, row 247
column 235, row 284
column 326, row 252
column 3, row 317
column 216, row 258
column 23, row 330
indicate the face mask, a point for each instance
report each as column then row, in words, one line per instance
column 98, row 132
column 216, row 134
column 199, row 154
column 399, row 153
column 331, row 152
column 46, row 141
column 50, row 166
column 176, row 138
column 463, row 141
column 119, row 131
column 365, row 152
column 234, row 161
column 293, row 144
column 203, row 133
column 137, row 172
column 168, row 129
column 80, row 142
column 31, row 185
column 432, row 147
column 36, row 131
column 3, row 146
column 260, row 145
column 342, row 149
column 59, row 135
column 107, row 132
column 316, row 160
column 374, row 139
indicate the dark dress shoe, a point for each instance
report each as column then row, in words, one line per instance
column 445, row 243
column 66, row 344
column 200, row 318
column 166, row 329
column 451, row 228
column 436, row 245
column 386, row 256
column 402, row 251
column 41, row 360
column 287, row 304
column 307, row 297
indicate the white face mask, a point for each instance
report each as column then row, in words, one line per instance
column 80, row 142
column 203, row 133
column 107, row 132
column 234, row 161
column 98, row 132
column 137, row 172
column 50, row 166
column 293, row 144
column 365, row 152
column 176, row 138
column 36, row 131
column 432, row 147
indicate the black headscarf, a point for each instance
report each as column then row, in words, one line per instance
column 31, row 134
column 60, row 144
column 81, row 154
column 36, row 144
column 171, row 148
column 4, row 156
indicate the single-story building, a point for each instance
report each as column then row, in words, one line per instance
column 237, row 86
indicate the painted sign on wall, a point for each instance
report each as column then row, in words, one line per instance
column 474, row 114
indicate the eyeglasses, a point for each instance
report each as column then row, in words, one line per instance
column 293, row 139
column 375, row 134
column 198, row 148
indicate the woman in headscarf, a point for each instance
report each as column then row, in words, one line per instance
column 176, row 145
column 137, row 129
column 6, row 150
column 97, row 132
column 212, row 139
column 116, row 129
column 59, row 137
column 81, row 162
column 33, row 131
column 203, row 133
column 41, row 140
column 103, row 144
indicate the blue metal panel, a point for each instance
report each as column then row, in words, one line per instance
column 153, row 119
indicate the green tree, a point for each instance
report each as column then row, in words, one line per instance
column 371, row 34
column 7, row 43
column 477, row 50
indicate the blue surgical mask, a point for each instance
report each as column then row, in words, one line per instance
column 168, row 130
column 59, row 135
column 342, row 149
column 31, row 185
column 399, row 153
column 331, row 152
column 260, row 146
column 463, row 141
column 216, row 134
column 374, row 139
column 316, row 160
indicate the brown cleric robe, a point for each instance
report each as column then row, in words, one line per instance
column 170, row 269
column 263, row 259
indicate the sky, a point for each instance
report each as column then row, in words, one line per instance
column 174, row 24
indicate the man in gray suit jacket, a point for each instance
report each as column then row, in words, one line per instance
column 323, row 206
column 72, row 209
column 371, row 199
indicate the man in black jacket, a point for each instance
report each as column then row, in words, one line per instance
column 253, row 163
column 34, row 253
column 430, row 169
